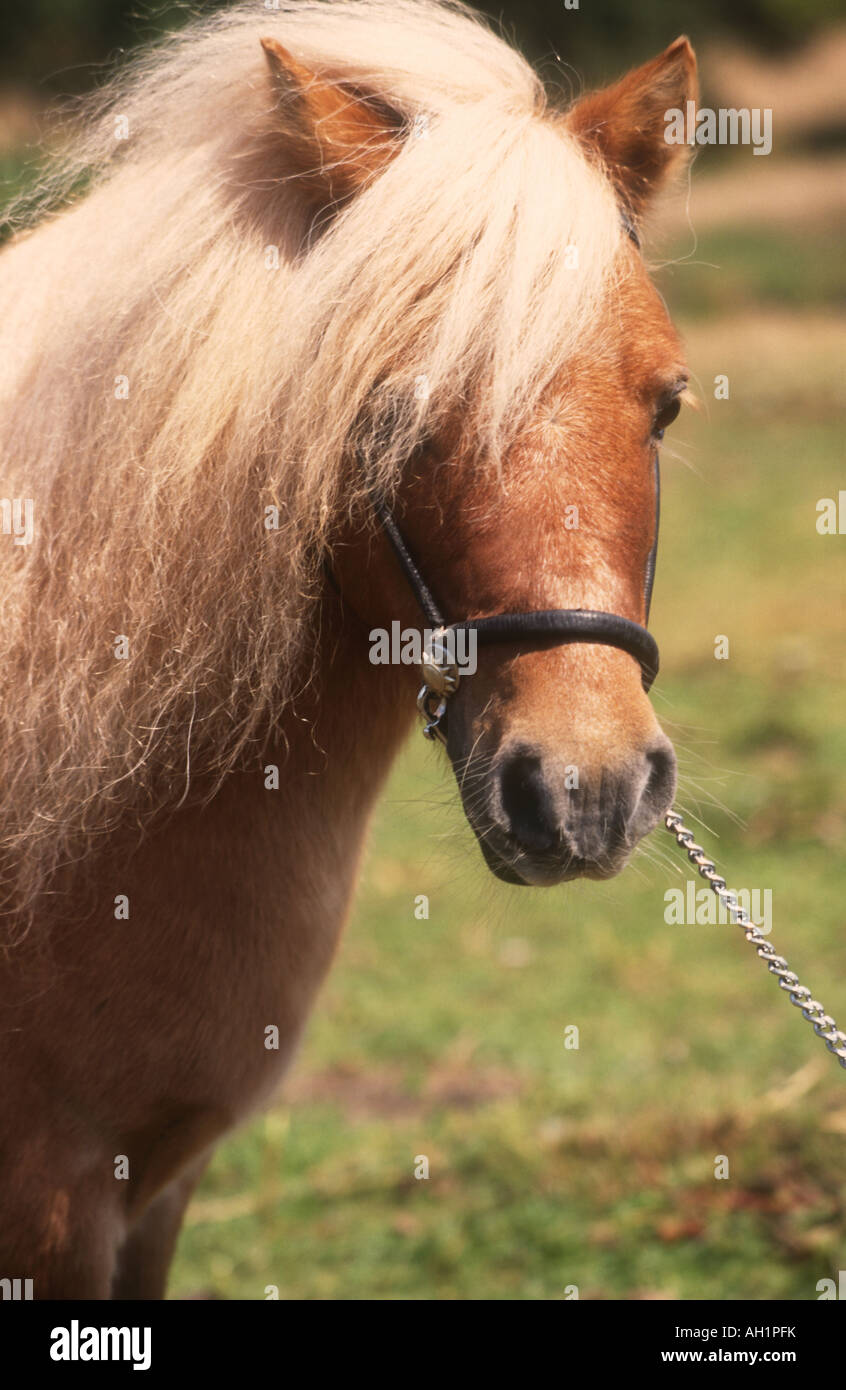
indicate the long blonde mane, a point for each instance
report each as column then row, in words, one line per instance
column 174, row 361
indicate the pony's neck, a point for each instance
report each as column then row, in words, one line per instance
column 347, row 727
column 294, row 811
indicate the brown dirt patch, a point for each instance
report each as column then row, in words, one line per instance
column 383, row 1092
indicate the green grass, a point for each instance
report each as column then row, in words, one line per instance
column 736, row 268
column 18, row 173
column 552, row 1167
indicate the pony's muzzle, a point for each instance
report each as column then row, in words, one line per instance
column 550, row 821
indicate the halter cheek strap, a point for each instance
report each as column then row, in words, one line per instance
column 441, row 673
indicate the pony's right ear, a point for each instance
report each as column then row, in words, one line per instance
column 626, row 126
column 335, row 139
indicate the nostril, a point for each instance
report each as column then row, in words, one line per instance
column 527, row 803
column 659, row 789
column 661, row 786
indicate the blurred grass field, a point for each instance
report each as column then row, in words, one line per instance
column 552, row 1167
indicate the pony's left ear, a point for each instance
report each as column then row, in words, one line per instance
column 626, row 125
column 335, row 140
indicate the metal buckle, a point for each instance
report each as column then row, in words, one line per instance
column 433, row 716
column 440, row 681
column 438, row 669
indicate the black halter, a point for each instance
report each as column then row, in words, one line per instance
column 554, row 625
column 441, row 674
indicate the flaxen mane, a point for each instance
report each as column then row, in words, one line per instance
column 182, row 353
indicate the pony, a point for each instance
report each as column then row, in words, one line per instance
column 286, row 262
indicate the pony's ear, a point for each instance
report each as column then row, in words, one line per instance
column 335, row 139
column 626, row 125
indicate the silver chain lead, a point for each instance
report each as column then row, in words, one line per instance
column 823, row 1024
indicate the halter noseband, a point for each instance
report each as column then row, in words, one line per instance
column 441, row 673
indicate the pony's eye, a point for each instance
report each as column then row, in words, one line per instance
column 665, row 417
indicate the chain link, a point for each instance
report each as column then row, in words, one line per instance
column 823, row 1024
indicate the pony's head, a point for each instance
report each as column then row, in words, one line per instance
column 371, row 260
column 561, row 763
